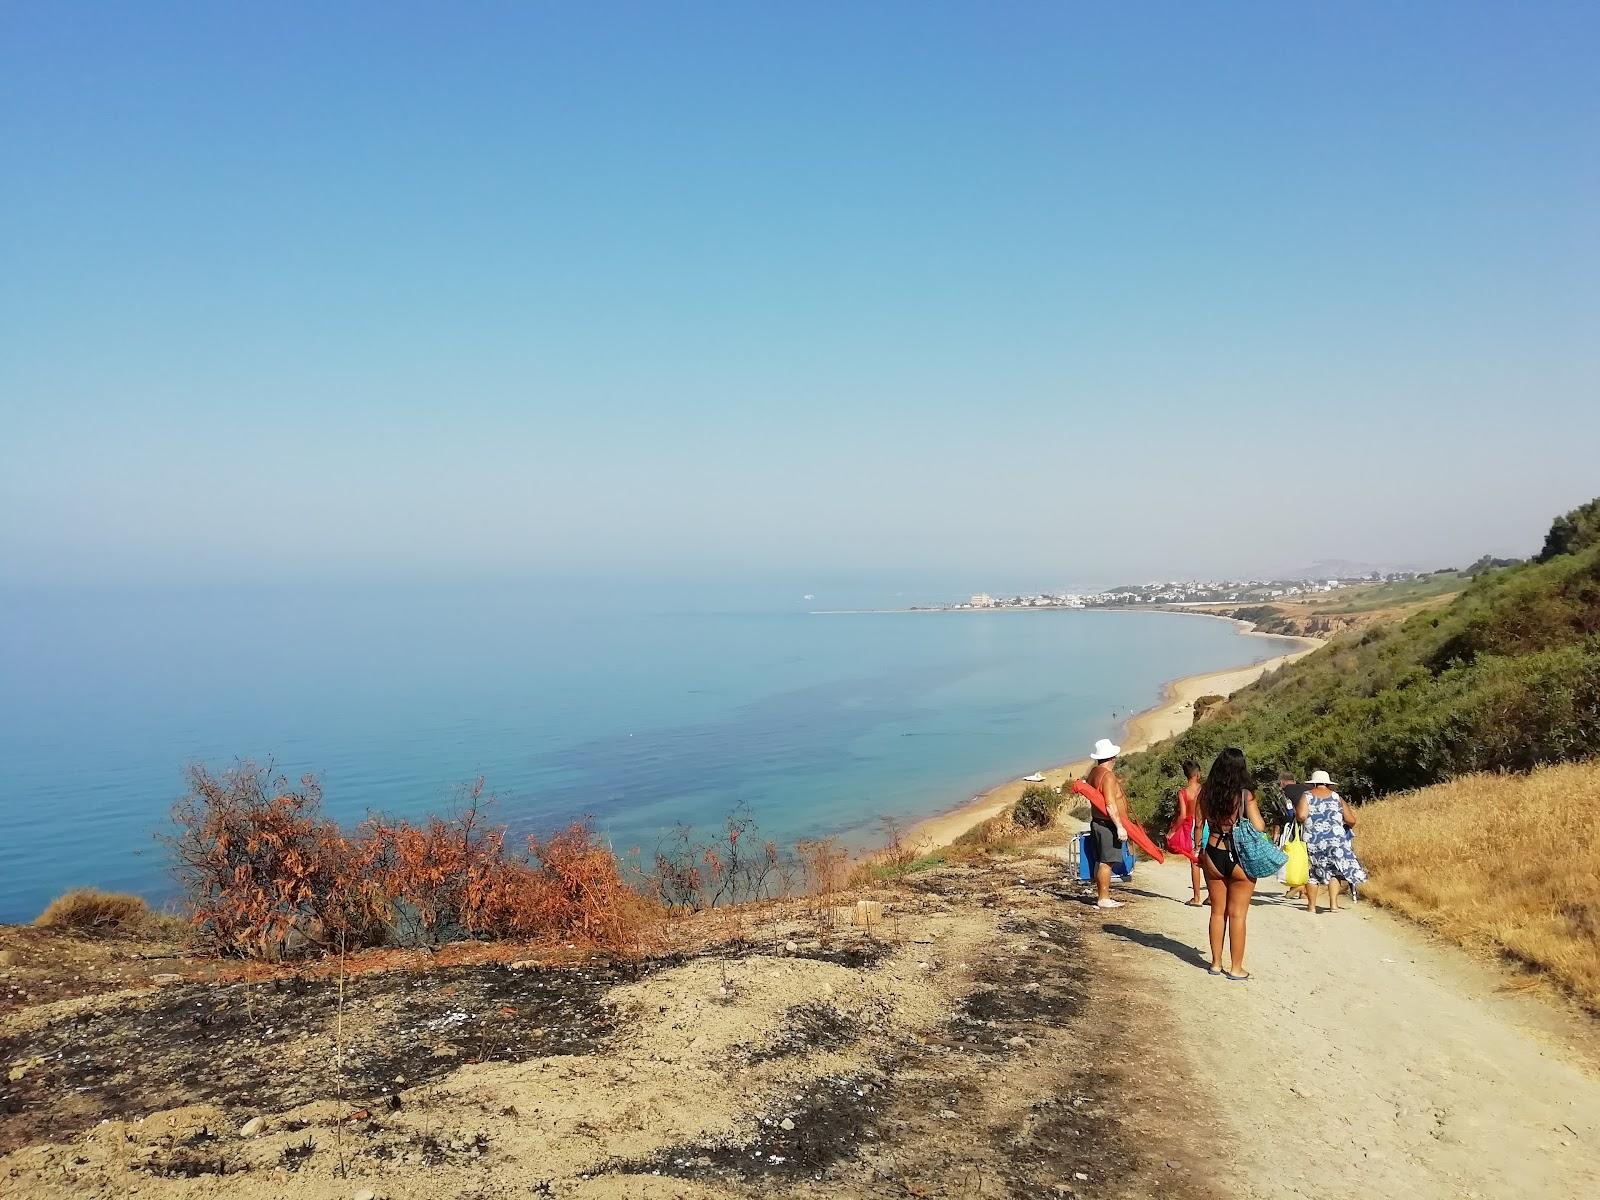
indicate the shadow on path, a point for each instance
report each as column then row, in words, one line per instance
column 1159, row 941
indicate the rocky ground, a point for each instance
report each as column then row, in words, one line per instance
column 971, row 1043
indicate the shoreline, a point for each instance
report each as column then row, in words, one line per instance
column 1170, row 715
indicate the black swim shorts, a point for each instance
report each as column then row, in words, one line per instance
column 1106, row 844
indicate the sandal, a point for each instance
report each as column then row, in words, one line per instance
column 1245, row 978
column 1195, row 903
column 1215, row 971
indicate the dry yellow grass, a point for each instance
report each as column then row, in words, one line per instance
column 90, row 910
column 1504, row 863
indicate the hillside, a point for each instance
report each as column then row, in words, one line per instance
column 1506, row 676
column 1348, row 610
column 1547, row 918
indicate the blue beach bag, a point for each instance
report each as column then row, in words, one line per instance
column 1254, row 851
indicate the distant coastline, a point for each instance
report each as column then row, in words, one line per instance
column 1170, row 715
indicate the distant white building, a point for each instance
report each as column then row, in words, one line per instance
column 981, row 600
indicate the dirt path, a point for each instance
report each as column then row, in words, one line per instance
column 1380, row 1064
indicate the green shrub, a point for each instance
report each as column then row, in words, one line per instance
column 1036, row 808
column 1572, row 532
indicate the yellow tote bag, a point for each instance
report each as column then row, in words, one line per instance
column 1297, row 870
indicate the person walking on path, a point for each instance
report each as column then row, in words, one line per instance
column 1292, row 792
column 1184, row 837
column 1328, row 821
column 1225, row 800
column 1108, row 832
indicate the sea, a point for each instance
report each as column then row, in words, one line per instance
column 639, row 707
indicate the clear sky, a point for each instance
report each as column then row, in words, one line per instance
column 1081, row 290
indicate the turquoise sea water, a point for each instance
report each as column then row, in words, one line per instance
column 637, row 713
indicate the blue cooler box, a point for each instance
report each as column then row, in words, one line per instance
column 1086, row 860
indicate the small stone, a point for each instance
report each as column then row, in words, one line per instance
column 1079, row 1175
column 165, row 978
column 252, row 1127
column 791, row 948
column 8, row 958
column 524, row 964
column 786, row 1124
column 365, row 1194
column 946, row 1114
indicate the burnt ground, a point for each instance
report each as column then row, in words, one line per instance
column 1035, row 1088
column 250, row 1046
column 266, row 1045
column 49, row 965
column 1030, row 1083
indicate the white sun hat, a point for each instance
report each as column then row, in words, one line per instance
column 1103, row 749
column 1320, row 777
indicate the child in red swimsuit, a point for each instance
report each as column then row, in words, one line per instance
column 1181, row 838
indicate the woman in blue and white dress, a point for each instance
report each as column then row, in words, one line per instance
column 1327, row 821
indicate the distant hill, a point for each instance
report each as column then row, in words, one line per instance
column 1504, row 677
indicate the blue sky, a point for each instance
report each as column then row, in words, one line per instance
column 1089, row 289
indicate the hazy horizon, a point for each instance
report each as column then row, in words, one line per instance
column 910, row 296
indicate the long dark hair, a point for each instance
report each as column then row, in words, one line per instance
column 1219, row 794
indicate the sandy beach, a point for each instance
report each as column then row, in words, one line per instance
column 1172, row 715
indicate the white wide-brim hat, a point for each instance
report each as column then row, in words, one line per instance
column 1319, row 777
column 1103, row 749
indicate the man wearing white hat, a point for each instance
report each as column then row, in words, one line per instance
column 1107, row 831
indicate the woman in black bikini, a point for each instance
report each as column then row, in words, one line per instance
column 1225, row 800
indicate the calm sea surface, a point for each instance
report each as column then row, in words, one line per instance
column 637, row 714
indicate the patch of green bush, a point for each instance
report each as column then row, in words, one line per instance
column 1036, row 808
column 1573, row 532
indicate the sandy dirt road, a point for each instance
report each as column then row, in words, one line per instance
column 1362, row 1059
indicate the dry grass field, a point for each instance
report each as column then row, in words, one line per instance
column 1506, row 863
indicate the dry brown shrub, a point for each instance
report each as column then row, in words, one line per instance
column 444, row 879
column 573, row 888
column 264, row 873
column 735, row 867
column 1504, row 863
column 824, row 865
column 90, row 910
column 267, row 877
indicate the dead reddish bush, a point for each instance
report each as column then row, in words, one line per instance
column 265, row 875
column 736, row 868
column 442, row 880
column 574, row 889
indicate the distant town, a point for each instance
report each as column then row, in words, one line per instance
column 1170, row 592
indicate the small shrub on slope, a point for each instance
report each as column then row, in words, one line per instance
column 1037, row 807
column 89, row 910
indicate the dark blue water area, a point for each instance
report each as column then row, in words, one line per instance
column 639, row 714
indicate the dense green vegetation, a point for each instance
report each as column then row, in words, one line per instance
column 1505, row 677
column 1036, row 808
column 1573, row 531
